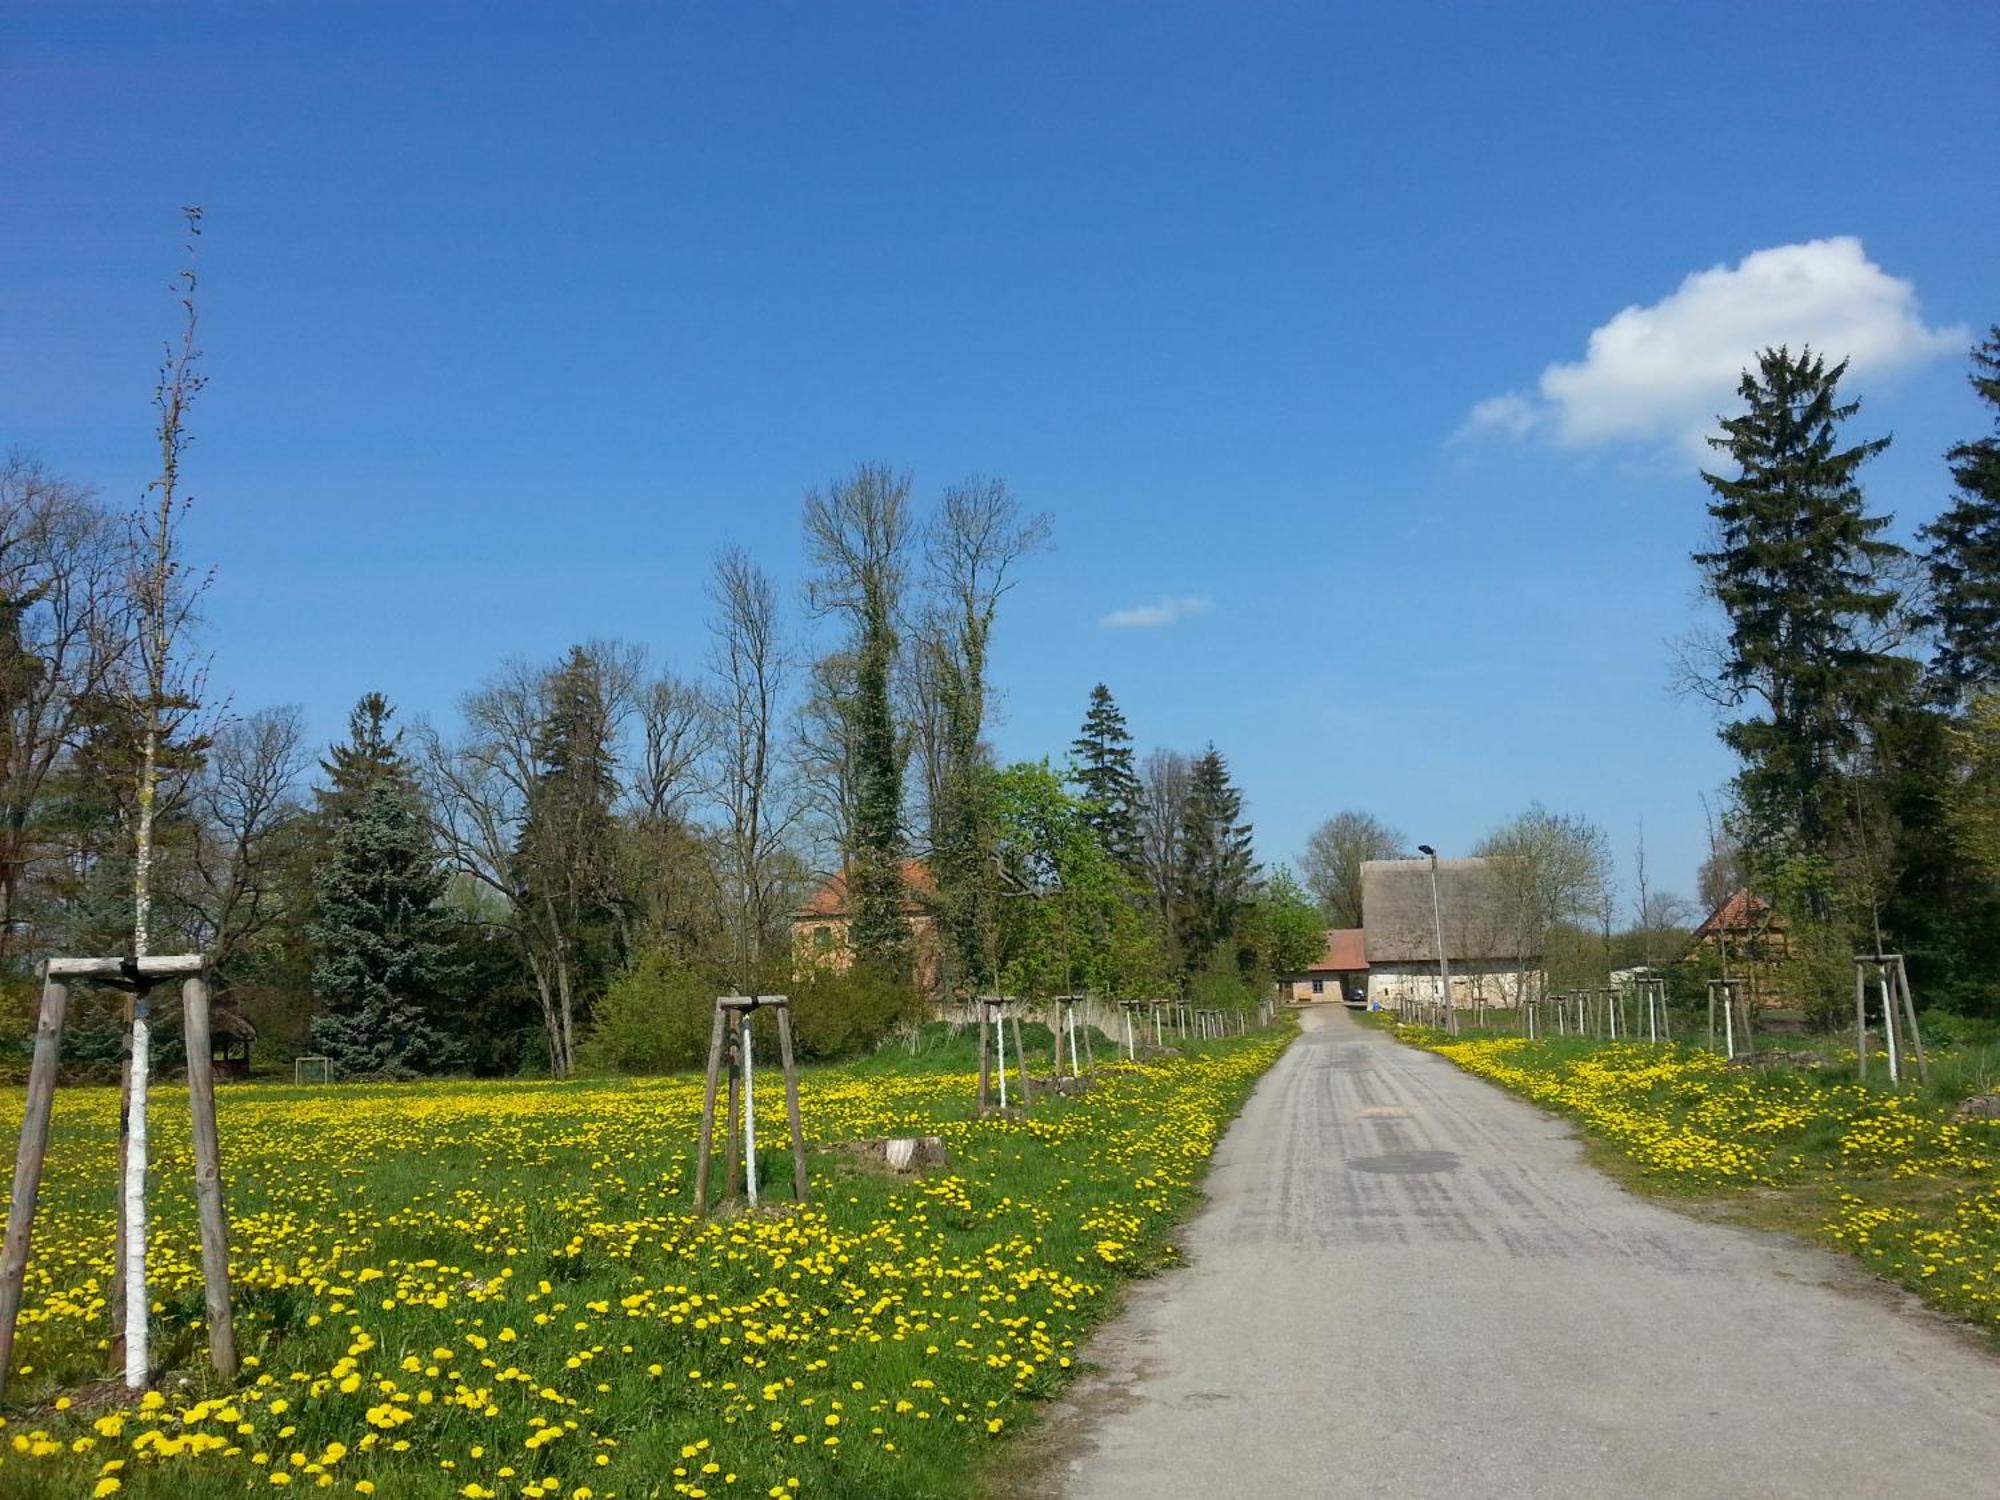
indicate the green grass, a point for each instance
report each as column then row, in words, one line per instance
column 456, row 1268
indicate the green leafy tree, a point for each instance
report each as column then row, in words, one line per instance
column 1070, row 917
column 1798, row 572
column 1104, row 772
column 1286, row 927
column 1974, row 800
column 1217, row 870
column 382, row 941
column 1963, row 555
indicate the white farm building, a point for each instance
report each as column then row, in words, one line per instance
column 1482, row 941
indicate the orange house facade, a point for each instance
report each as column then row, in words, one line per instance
column 1340, row 974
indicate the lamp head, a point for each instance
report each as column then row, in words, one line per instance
column 1427, row 849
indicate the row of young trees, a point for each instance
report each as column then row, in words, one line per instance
column 1860, row 678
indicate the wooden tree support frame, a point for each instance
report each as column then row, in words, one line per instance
column 1891, row 979
column 137, row 977
column 1131, row 1009
column 1729, row 1000
column 1652, row 995
column 730, row 1046
column 1066, row 1027
column 1000, row 1011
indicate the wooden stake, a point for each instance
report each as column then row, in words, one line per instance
column 28, row 1159
column 705, row 1146
column 985, row 1065
column 208, row 1179
column 1910, row 1013
column 1020, row 1052
column 792, row 1102
column 1860, row 1023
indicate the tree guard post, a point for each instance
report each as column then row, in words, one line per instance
column 792, row 1102
column 705, row 1147
column 208, row 1178
column 985, row 1061
column 28, row 1161
column 130, row 1299
column 1020, row 1052
column 732, row 1141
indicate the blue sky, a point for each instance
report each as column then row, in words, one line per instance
column 514, row 315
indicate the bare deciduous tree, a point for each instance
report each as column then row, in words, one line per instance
column 751, row 668
column 1555, row 873
column 1335, row 853
column 972, row 546
column 248, row 810
column 65, row 633
column 676, row 723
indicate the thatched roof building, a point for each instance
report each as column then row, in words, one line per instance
column 1472, row 895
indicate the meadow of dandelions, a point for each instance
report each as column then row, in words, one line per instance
column 496, row 1289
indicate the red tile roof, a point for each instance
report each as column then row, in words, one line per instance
column 1346, row 952
column 830, row 900
column 1744, row 911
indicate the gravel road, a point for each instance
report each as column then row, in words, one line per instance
column 1408, row 1284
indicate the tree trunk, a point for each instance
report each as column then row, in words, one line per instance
column 137, row 1309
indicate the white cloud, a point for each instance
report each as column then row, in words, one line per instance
column 1663, row 372
column 1160, row 612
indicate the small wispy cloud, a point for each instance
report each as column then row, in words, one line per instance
column 1168, row 611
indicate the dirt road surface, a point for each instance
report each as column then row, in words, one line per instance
column 1408, row 1284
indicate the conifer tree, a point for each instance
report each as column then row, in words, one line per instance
column 1217, row 869
column 370, row 753
column 382, row 938
column 1964, row 550
column 1798, row 573
column 566, row 862
column 1104, row 776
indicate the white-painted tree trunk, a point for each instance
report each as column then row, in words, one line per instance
column 749, row 1116
column 137, row 1304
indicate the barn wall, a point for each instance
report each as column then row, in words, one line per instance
column 1390, row 985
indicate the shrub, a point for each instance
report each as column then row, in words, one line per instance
column 837, row 1013
column 654, row 1018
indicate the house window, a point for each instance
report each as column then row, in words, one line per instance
column 822, row 938
column 1319, row 986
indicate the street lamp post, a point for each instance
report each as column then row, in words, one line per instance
column 1437, row 925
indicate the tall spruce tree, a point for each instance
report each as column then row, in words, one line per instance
column 1217, row 870
column 1797, row 572
column 1104, row 775
column 566, row 861
column 371, row 752
column 1963, row 555
column 382, row 940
